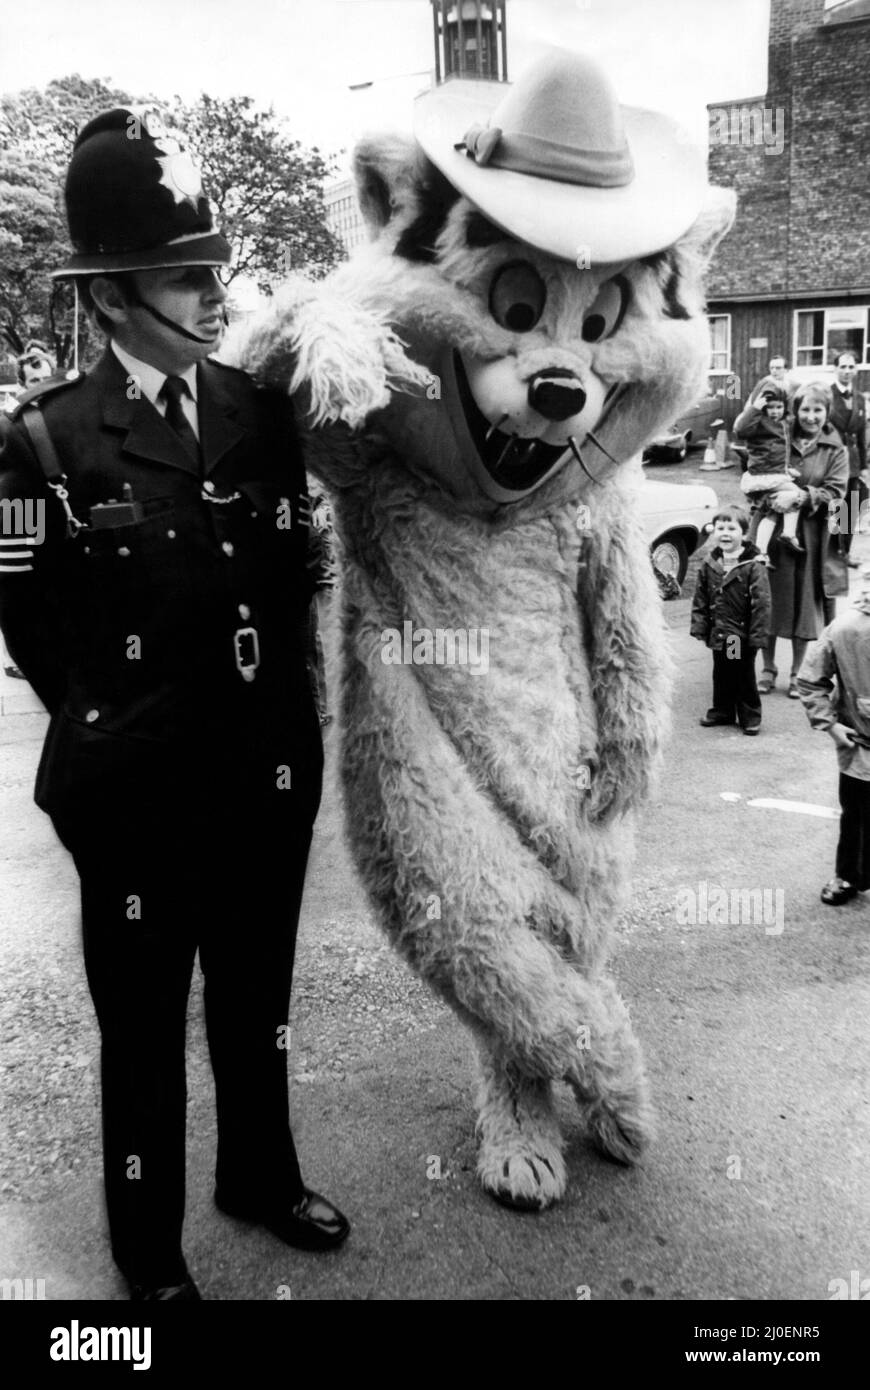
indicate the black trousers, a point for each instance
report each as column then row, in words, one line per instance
column 735, row 692
column 853, row 848
column 157, row 883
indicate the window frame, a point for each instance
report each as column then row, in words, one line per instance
column 726, row 370
column 826, row 310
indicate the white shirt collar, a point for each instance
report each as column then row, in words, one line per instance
column 150, row 378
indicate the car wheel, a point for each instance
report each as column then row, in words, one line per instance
column 670, row 555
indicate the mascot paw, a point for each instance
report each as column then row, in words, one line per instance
column 520, row 1162
column 527, row 1176
column 622, row 1135
column 345, row 359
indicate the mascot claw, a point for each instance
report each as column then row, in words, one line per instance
column 520, row 1162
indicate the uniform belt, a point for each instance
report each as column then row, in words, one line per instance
column 246, row 647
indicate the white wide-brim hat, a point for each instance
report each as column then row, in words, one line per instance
column 556, row 162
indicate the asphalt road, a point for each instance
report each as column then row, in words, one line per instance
column 754, row 1029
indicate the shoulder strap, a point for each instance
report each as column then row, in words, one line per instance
column 43, row 446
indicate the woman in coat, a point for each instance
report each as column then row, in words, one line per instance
column 797, row 585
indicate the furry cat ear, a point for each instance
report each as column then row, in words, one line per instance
column 387, row 173
column 712, row 224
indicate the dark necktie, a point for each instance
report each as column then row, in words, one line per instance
column 172, row 391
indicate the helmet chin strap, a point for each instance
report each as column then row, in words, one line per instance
column 176, row 327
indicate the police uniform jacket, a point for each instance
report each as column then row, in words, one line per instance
column 850, row 422
column 133, row 632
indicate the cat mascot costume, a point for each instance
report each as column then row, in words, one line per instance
column 482, row 379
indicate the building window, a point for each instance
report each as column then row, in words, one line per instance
column 820, row 334
column 720, row 342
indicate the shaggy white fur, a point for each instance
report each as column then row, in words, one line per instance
column 490, row 811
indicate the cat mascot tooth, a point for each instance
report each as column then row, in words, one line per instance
column 482, row 379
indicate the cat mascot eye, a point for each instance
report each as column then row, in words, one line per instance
column 517, row 297
column 606, row 311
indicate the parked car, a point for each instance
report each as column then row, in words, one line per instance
column 691, row 431
column 676, row 517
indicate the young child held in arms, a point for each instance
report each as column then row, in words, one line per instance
column 731, row 613
column 763, row 428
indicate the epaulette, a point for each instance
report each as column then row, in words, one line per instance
column 225, row 366
column 46, row 388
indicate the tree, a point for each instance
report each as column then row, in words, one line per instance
column 265, row 188
column 37, row 133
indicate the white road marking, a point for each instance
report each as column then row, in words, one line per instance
column 802, row 808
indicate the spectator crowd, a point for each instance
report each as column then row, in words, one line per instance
column 775, row 571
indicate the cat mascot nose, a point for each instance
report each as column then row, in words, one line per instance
column 556, row 394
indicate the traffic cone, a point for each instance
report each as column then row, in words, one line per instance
column 709, row 465
column 721, row 448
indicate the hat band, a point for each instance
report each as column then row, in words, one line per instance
column 81, row 248
column 548, row 159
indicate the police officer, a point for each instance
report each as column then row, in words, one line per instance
column 849, row 418
column 161, row 620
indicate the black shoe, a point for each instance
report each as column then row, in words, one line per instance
column 312, row 1224
column 752, row 730
column 838, row 891
column 710, row 722
column 791, row 544
column 165, row 1293
column 175, row 1286
column 14, row 671
column 853, row 564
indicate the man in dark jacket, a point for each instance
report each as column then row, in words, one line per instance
column 731, row 613
column 849, row 418
column 158, row 602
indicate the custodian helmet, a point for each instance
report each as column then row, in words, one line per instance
column 134, row 199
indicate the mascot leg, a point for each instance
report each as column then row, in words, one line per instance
column 616, row 1106
column 520, row 1160
column 479, row 917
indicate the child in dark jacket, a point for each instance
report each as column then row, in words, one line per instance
column 731, row 613
column 762, row 427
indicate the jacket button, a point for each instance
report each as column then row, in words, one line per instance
column 244, row 611
column 123, row 550
column 208, row 487
column 228, row 548
column 171, row 535
column 92, row 716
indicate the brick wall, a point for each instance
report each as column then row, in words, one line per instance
column 803, row 222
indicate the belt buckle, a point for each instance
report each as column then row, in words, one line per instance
column 246, row 645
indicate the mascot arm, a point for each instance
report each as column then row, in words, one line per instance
column 628, row 654
column 343, row 356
